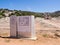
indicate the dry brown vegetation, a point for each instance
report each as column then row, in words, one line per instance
column 46, row 33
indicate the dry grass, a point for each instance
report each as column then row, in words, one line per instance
column 44, row 38
column 7, row 40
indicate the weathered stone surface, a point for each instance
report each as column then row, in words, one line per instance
column 22, row 26
column 13, row 26
column 25, row 25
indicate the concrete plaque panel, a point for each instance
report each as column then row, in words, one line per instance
column 25, row 26
column 13, row 26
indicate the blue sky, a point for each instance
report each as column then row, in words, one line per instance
column 31, row 5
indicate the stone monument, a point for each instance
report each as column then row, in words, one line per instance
column 23, row 26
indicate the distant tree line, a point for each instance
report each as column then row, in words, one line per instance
column 24, row 13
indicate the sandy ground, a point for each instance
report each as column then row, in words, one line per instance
column 41, row 40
